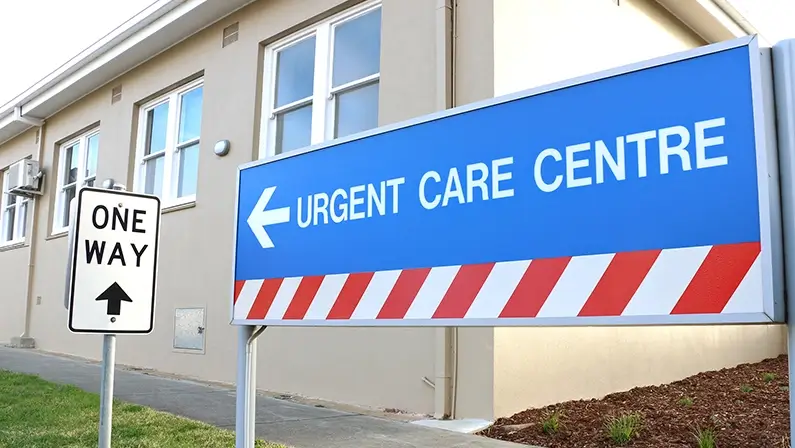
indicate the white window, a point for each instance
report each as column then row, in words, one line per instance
column 14, row 219
column 77, row 167
column 167, row 154
column 323, row 82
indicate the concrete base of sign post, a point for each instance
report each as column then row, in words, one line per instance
column 23, row 342
column 464, row 425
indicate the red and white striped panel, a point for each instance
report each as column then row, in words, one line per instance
column 693, row 280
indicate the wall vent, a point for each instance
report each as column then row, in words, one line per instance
column 115, row 95
column 230, row 34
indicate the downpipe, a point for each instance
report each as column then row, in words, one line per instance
column 446, row 355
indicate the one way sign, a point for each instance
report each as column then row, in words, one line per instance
column 114, row 262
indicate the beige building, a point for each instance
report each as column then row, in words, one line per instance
column 146, row 105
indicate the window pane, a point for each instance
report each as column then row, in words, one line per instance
column 295, row 72
column 154, row 176
column 293, row 129
column 23, row 219
column 190, row 116
column 8, row 223
column 188, row 170
column 357, row 48
column 11, row 199
column 70, row 164
column 68, row 195
column 91, row 155
column 357, row 110
column 156, row 123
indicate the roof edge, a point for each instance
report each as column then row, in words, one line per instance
column 713, row 20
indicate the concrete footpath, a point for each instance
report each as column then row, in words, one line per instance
column 293, row 424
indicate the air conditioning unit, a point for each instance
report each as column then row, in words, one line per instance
column 24, row 179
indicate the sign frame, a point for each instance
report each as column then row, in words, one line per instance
column 73, row 256
column 771, row 256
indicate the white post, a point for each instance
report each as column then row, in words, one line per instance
column 784, row 79
column 246, row 386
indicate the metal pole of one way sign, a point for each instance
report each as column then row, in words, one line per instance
column 784, row 87
column 106, row 391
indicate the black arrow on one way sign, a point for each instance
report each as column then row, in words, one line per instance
column 115, row 295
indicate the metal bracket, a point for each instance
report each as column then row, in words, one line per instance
column 256, row 333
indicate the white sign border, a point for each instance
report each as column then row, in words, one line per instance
column 73, row 258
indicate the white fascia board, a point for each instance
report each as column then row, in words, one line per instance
column 708, row 19
column 6, row 119
column 9, row 127
column 124, row 31
column 723, row 18
column 117, row 50
column 727, row 6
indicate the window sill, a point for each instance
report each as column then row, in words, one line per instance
column 11, row 245
column 175, row 207
column 58, row 234
column 188, row 351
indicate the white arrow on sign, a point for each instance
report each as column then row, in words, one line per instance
column 259, row 218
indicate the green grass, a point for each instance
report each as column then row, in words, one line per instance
column 551, row 424
column 768, row 377
column 622, row 429
column 705, row 438
column 38, row 414
column 686, row 401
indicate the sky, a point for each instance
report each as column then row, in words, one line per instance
column 41, row 35
column 66, row 27
column 773, row 18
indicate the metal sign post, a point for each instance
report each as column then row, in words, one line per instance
column 106, row 389
column 246, row 384
column 784, row 78
column 112, row 274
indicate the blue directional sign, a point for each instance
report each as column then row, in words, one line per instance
column 616, row 174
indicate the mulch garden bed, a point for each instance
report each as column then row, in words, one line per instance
column 745, row 407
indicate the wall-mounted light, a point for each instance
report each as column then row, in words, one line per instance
column 221, row 148
column 111, row 184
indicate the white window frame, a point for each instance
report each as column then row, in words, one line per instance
column 172, row 150
column 20, row 231
column 80, row 181
column 323, row 97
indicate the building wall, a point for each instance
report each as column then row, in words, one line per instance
column 14, row 258
column 371, row 367
column 538, row 42
column 530, row 363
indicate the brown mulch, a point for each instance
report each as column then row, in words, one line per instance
column 721, row 400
